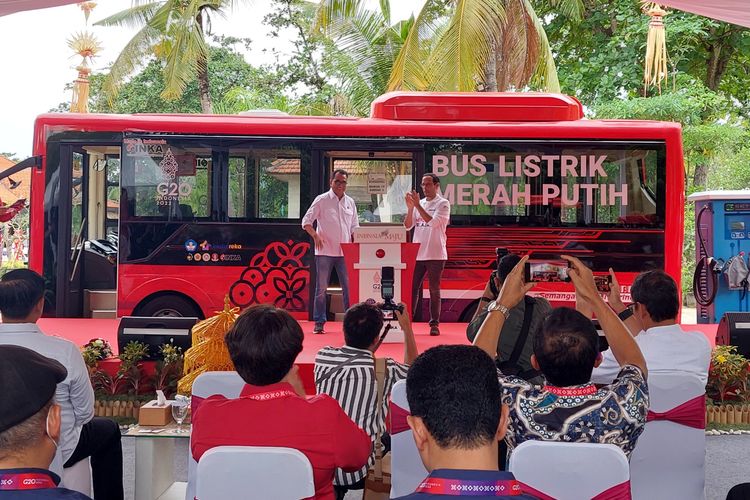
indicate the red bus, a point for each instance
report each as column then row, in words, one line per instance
column 173, row 212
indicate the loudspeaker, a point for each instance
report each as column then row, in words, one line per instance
column 156, row 331
column 734, row 329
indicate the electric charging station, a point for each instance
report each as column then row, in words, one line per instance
column 722, row 232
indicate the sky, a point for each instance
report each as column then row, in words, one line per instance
column 37, row 62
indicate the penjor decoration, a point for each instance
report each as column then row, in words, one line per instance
column 656, row 47
column 208, row 353
column 87, row 46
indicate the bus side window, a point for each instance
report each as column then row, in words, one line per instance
column 264, row 183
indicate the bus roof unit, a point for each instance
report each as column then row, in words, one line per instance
column 477, row 106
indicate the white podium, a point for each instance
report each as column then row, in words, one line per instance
column 376, row 247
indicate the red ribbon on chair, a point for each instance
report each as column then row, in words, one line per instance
column 195, row 403
column 617, row 492
column 398, row 419
column 691, row 413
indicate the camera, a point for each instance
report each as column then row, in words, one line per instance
column 387, row 286
column 548, row 272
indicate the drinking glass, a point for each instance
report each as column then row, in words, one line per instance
column 180, row 407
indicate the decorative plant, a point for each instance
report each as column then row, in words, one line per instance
column 169, row 369
column 130, row 364
column 96, row 350
column 727, row 374
column 110, row 385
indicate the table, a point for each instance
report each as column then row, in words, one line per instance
column 154, row 462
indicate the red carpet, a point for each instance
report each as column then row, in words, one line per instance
column 81, row 331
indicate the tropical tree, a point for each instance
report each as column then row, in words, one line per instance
column 174, row 32
column 459, row 45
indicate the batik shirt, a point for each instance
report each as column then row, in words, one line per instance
column 614, row 414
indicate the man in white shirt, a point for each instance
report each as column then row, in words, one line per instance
column 666, row 346
column 82, row 435
column 336, row 215
column 429, row 217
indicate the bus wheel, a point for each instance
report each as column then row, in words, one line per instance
column 170, row 306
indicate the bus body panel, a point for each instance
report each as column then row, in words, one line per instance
column 471, row 249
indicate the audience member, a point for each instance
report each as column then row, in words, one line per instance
column 665, row 346
column 566, row 348
column 82, row 435
column 456, row 419
column 347, row 374
column 515, row 343
column 29, row 425
column 272, row 409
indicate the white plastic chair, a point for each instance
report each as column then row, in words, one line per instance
column 78, row 477
column 227, row 384
column 254, row 472
column 407, row 469
column 569, row 471
column 669, row 459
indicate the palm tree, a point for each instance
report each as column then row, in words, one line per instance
column 172, row 30
column 452, row 45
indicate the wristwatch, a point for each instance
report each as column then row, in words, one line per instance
column 623, row 315
column 495, row 306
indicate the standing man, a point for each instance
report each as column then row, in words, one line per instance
column 429, row 217
column 336, row 215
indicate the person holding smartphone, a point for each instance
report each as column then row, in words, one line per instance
column 515, row 344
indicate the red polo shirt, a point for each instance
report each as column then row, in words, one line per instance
column 274, row 415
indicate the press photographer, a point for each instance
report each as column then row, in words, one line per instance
column 352, row 374
column 515, row 345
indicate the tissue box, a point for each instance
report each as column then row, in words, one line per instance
column 151, row 414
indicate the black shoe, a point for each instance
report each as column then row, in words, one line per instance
column 434, row 331
column 319, row 328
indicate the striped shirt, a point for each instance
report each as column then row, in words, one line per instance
column 355, row 388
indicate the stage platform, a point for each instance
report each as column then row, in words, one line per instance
column 80, row 331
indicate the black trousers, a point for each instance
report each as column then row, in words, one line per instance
column 739, row 492
column 101, row 440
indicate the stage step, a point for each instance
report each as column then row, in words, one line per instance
column 104, row 313
column 101, row 302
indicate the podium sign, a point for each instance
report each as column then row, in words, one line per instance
column 379, row 247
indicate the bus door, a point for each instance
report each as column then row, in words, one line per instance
column 88, row 232
column 378, row 181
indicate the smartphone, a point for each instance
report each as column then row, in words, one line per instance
column 554, row 271
column 603, row 283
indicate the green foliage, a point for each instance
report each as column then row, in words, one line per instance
column 600, row 53
column 133, row 353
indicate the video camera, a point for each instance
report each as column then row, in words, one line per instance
column 387, row 286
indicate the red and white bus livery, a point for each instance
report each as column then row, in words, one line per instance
column 174, row 212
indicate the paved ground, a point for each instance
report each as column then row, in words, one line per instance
column 727, row 464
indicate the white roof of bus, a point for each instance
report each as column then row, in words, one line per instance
column 743, row 194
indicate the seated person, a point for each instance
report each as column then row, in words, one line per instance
column 83, row 435
column 566, row 349
column 272, row 409
column 665, row 346
column 348, row 374
column 29, row 425
column 513, row 329
column 458, row 447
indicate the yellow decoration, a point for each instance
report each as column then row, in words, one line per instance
column 209, row 353
column 87, row 46
column 656, row 47
column 87, row 7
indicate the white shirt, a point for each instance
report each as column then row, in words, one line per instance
column 666, row 349
column 74, row 394
column 336, row 221
column 431, row 235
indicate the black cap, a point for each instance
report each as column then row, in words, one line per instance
column 27, row 382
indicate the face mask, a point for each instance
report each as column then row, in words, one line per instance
column 49, row 435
